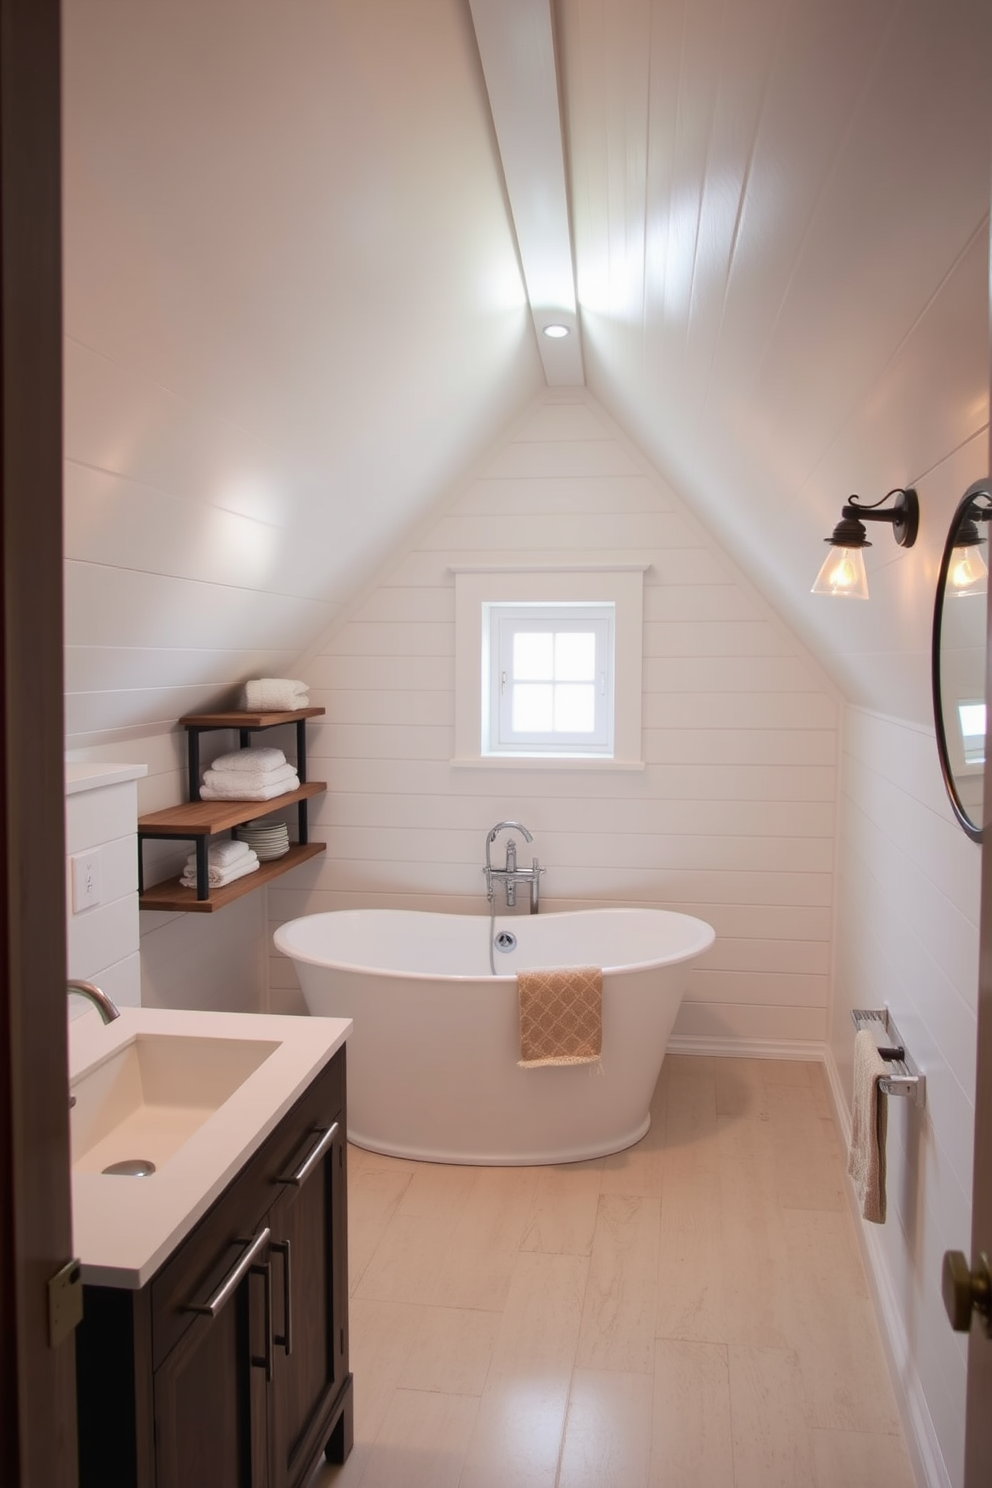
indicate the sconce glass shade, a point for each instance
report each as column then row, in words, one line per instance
column 843, row 574
column 968, row 572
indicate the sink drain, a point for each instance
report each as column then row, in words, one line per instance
column 505, row 941
column 132, row 1167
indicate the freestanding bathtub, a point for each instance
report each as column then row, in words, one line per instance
column 432, row 1058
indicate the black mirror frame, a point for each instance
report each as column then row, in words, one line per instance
column 977, row 489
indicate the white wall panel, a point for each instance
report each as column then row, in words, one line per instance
column 108, row 668
column 725, row 674
column 598, row 815
column 734, row 811
column 739, row 709
column 713, row 638
column 108, row 606
column 907, row 936
column 114, row 520
column 733, row 1025
column 703, row 783
column 620, row 494
column 559, row 458
column 674, row 601
column 186, row 961
column 733, row 747
column 102, row 938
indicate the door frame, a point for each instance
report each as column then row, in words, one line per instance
column 37, row 1380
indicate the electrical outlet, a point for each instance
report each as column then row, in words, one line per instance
column 85, row 880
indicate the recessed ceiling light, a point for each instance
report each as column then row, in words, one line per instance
column 555, row 331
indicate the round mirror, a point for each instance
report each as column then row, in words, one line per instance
column 958, row 657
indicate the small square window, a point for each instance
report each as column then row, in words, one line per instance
column 548, row 679
column 548, row 666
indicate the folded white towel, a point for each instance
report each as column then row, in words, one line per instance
column 218, row 877
column 221, row 854
column 241, row 785
column 275, row 695
column 246, row 787
column 250, row 759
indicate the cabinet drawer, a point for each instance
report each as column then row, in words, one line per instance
column 212, row 1249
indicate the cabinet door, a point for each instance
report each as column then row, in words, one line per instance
column 311, row 1385
column 211, row 1391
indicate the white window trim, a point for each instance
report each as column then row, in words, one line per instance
column 620, row 584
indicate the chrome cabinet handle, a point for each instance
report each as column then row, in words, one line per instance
column 230, row 1283
column 285, row 1339
column 265, row 1362
column 312, row 1157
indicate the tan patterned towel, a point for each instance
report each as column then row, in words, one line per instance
column 561, row 1015
column 869, row 1122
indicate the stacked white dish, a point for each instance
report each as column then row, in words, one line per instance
column 269, row 839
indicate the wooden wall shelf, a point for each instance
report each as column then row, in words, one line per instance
column 172, row 895
column 206, row 818
column 197, row 820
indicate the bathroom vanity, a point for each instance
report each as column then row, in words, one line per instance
column 214, row 1343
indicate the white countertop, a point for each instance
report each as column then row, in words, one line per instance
column 125, row 1228
column 86, row 775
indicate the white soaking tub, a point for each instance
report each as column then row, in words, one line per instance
column 432, row 1059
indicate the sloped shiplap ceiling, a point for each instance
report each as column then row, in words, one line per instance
column 781, row 222
column 295, row 314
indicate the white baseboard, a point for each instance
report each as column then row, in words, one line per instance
column 918, row 1428
column 742, row 1048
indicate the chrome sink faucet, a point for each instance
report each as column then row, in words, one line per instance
column 510, row 875
column 104, row 1005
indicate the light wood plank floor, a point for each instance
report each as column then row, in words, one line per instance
column 692, row 1312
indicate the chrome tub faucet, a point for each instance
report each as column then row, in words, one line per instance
column 510, row 875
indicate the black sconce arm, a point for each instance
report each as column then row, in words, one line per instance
column 904, row 516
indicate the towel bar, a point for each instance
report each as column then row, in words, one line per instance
column 906, row 1079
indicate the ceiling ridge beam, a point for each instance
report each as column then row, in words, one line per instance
column 517, row 51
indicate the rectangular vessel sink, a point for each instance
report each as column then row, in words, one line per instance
column 148, row 1098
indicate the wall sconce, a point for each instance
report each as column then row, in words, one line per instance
column 843, row 570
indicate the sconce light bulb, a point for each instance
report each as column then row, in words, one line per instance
column 843, row 574
column 968, row 572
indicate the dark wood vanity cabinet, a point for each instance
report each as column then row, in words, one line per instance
column 230, row 1368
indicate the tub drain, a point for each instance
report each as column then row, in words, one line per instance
column 132, row 1167
column 505, row 942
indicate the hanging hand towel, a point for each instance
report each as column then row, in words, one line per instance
column 869, row 1121
column 250, row 759
column 561, row 1016
column 275, row 695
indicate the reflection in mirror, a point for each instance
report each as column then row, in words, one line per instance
column 958, row 659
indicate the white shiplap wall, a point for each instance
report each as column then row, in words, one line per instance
column 733, row 817
column 101, row 809
column 216, row 961
column 907, row 935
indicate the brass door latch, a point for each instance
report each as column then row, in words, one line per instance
column 965, row 1291
column 65, row 1302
